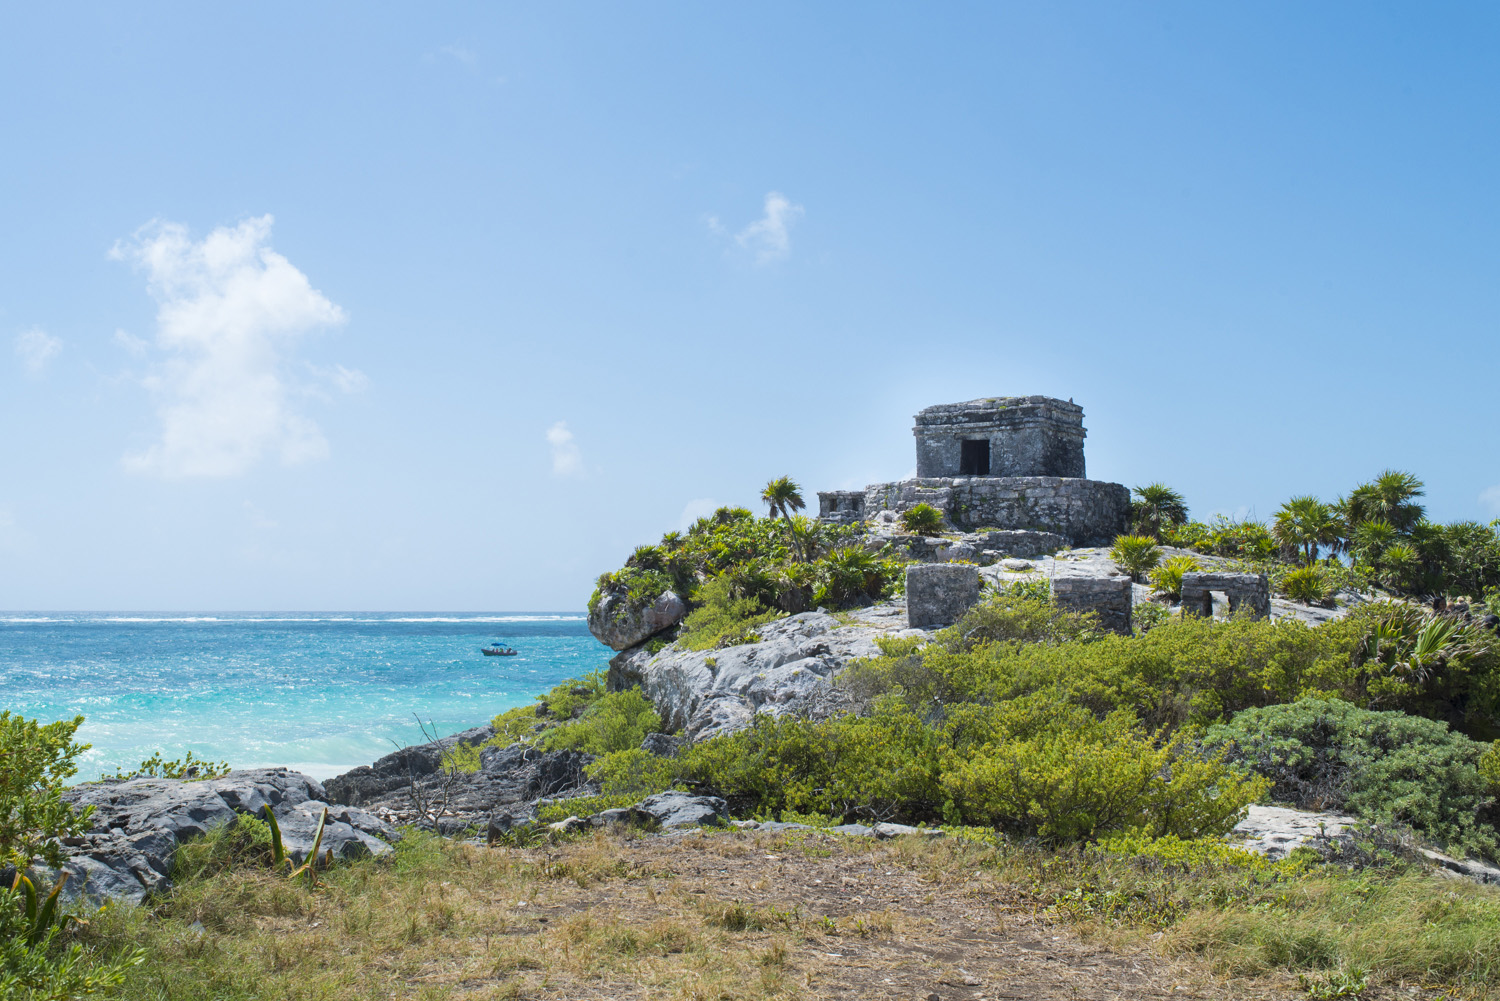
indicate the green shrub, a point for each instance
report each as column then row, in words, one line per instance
column 1167, row 578
column 722, row 619
column 35, row 964
column 1034, row 588
column 35, row 761
column 514, row 726
column 244, row 841
column 1147, row 616
column 573, row 697
column 633, row 772
column 186, row 767
column 922, row 519
column 1088, row 777
column 1036, row 766
column 1383, row 766
column 1247, row 540
column 1489, row 767
column 852, row 575
column 1135, row 554
column 616, row 721
column 1305, row 584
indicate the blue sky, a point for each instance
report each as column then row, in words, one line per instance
column 448, row 307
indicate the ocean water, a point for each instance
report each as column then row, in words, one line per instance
column 320, row 693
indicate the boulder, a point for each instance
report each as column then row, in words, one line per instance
column 620, row 623
column 938, row 594
column 709, row 692
column 680, row 809
column 139, row 824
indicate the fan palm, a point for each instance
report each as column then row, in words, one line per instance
column 1390, row 497
column 1306, row 523
column 784, row 497
column 1155, row 507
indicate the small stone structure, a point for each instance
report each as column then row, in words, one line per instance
column 1009, row 463
column 1109, row 597
column 1000, row 436
column 1240, row 588
column 937, row 594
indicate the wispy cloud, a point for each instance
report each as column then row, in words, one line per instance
column 466, row 56
column 230, row 310
column 567, row 460
column 769, row 238
column 36, row 348
column 130, row 343
column 1490, row 498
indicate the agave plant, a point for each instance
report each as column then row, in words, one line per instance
column 279, row 858
column 1135, row 554
column 1167, row 578
column 1305, row 584
column 922, row 519
column 41, row 914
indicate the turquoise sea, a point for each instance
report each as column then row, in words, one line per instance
column 317, row 692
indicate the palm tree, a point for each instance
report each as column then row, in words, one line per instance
column 1307, row 523
column 1155, row 507
column 784, row 497
column 1389, row 497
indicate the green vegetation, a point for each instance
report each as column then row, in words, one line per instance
column 922, row 519
column 722, row 619
column 1308, row 585
column 35, row 761
column 1389, row 767
column 186, row 767
column 1382, row 529
column 616, row 721
column 731, row 560
column 1167, row 577
column 1135, row 554
column 1156, row 508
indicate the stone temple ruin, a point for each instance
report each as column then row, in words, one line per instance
column 1005, row 462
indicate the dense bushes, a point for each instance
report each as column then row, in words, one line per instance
column 723, row 619
column 1034, row 766
column 35, row 761
column 1326, row 754
column 616, row 721
column 787, row 564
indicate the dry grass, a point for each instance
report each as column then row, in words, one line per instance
column 725, row 916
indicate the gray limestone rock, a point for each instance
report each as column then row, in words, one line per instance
column 139, row 824
column 1274, row 831
column 709, row 692
column 938, row 594
column 680, row 809
column 620, row 623
column 664, row 745
column 1111, row 598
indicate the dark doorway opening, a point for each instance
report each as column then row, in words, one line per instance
column 974, row 458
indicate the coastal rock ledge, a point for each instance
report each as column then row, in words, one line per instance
column 139, row 823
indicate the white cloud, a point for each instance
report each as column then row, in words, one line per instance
column 35, row 348
column 698, row 507
column 466, row 56
column 566, row 459
column 769, row 237
column 1490, row 498
column 230, row 310
column 130, row 343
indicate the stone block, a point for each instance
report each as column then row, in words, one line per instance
column 1251, row 590
column 1108, row 597
column 937, row 594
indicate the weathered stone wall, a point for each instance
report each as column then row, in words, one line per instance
column 1027, row 435
column 1085, row 512
column 1109, row 597
column 938, row 593
column 1252, row 589
column 841, row 507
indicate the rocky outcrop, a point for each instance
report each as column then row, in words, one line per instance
column 710, row 692
column 139, row 824
column 509, row 779
column 619, row 623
